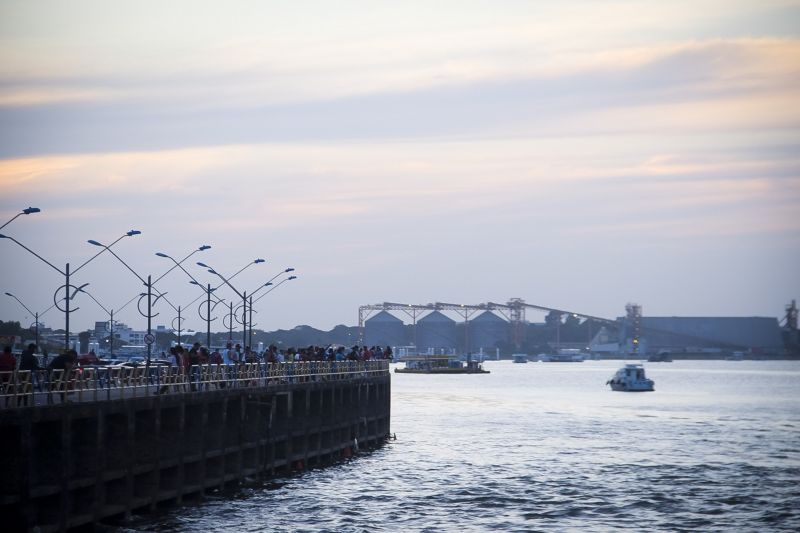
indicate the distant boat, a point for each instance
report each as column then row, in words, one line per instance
column 563, row 356
column 520, row 358
column 439, row 364
column 735, row 356
column 631, row 378
column 660, row 357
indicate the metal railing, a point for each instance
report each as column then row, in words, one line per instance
column 22, row 388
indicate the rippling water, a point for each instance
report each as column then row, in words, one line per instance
column 548, row 447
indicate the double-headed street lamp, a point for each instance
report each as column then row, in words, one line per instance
column 149, row 284
column 178, row 263
column 281, row 282
column 253, row 293
column 241, row 295
column 66, row 273
column 36, row 316
column 110, row 326
column 209, row 292
column 26, row 211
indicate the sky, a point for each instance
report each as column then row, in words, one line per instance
column 576, row 154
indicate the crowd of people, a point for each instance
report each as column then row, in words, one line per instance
column 234, row 354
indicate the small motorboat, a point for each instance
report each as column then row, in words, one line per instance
column 519, row 357
column 631, row 378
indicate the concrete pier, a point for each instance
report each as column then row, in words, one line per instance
column 71, row 464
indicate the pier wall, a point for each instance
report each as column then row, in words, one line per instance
column 66, row 465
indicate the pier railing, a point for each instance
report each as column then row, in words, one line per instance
column 23, row 388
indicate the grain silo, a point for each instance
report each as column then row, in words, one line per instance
column 486, row 331
column 385, row 329
column 436, row 331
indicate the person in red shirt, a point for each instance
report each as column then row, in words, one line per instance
column 8, row 363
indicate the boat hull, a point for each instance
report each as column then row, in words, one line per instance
column 621, row 387
column 439, row 371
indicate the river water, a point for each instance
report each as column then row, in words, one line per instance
column 549, row 447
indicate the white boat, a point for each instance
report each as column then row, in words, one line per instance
column 631, row 378
column 520, row 357
column 439, row 364
column 566, row 355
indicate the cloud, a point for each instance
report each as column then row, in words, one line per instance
column 741, row 84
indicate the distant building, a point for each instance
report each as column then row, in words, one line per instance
column 384, row 329
column 486, row 331
column 709, row 334
column 436, row 331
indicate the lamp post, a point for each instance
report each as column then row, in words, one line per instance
column 209, row 291
column 111, row 317
column 281, row 282
column 35, row 315
column 66, row 273
column 26, row 211
column 241, row 295
column 253, row 302
column 178, row 264
column 253, row 293
column 149, row 294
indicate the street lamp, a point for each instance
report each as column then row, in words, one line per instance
column 149, row 295
column 281, row 282
column 209, row 291
column 26, row 211
column 66, row 273
column 253, row 293
column 253, row 302
column 243, row 296
column 111, row 317
column 36, row 315
column 178, row 263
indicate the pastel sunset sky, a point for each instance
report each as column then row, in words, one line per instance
column 577, row 154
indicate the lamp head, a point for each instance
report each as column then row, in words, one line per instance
column 9, row 294
column 133, row 232
column 193, row 282
column 3, row 236
column 212, row 271
column 30, row 210
column 204, row 247
column 257, row 261
column 267, row 284
column 92, row 241
column 289, row 270
column 160, row 254
column 291, row 277
column 202, row 265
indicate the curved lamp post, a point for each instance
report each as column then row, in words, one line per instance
column 209, row 291
column 149, row 294
column 35, row 315
column 241, row 295
column 66, row 273
column 178, row 264
column 110, row 314
column 253, row 293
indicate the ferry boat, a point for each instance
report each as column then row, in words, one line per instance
column 439, row 364
column 631, row 378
